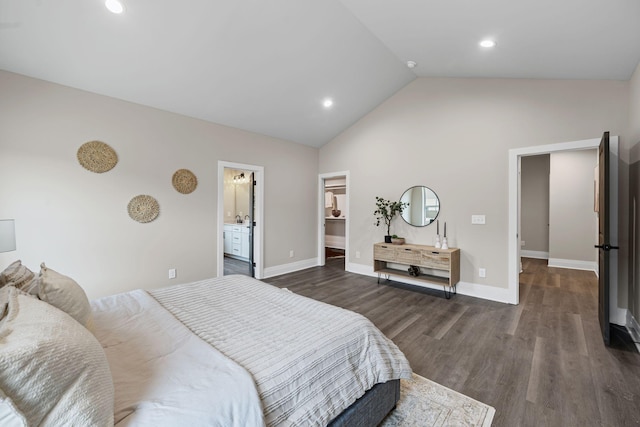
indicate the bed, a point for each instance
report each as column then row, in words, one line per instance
column 235, row 351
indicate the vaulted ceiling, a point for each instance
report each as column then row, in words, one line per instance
column 267, row 66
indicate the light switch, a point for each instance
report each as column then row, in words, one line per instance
column 477, row 219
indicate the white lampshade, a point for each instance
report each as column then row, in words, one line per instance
column 7, row 235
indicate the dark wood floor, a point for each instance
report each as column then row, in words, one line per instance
column 236, row 266
column 541, row 363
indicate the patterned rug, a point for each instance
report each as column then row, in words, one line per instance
column 425, row 403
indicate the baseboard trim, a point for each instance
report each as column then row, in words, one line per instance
column 573, row 264
column 534, row 254
column 475, row 290
column 290, row 268
column 634, row 329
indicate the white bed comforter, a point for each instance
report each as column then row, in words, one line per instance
column 309, row 360
column 164, row 375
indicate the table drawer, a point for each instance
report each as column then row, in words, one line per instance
column 434, row 259
column 408, row 255
column 384, row 253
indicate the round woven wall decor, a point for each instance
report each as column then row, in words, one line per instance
column 143, row 208
column 184, row 181
column 97, row 156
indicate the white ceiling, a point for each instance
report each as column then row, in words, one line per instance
column 266, row 66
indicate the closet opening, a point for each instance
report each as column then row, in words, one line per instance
column 334, row 220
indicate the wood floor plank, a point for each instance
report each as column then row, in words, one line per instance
column 535, row 372
column 541, row 363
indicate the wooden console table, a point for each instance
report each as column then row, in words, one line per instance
column 429, row 259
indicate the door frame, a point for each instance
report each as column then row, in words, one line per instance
column 321, row 220
column 513, row 247
column 258, row 230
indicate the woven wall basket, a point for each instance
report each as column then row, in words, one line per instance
column 97, row 156
column 143, row 208
column 184, row 181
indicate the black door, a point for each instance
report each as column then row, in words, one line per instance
column 252, row 222
column 604, row 236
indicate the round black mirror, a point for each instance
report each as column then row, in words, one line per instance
column 424, row 206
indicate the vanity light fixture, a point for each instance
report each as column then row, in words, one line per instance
column 239, row 179
column 114, row 6
column 327, row 103
column 488, row 43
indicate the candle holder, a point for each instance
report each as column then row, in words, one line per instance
column 437, row 245
column 444, row 243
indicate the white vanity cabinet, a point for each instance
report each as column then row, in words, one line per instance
column 228, row 239
column 236, row 240
column 244, row 237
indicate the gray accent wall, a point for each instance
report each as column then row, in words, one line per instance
column 573, row 222
column 534, row 212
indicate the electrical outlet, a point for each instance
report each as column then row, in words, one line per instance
column 522, row 243
column 358, row 254
column 482, row 272
column 172, row 273
column 291, row 253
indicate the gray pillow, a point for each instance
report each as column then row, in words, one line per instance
column 17, row 275
column 64, row 293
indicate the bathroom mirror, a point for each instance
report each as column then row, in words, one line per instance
column 424, row 206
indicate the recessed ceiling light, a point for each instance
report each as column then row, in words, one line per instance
column 488, row 43
column 114, row 6
column 327, row 103
column 412, row 64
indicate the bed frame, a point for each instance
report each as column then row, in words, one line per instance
column 371, row 408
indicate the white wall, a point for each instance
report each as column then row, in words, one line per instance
column 573, row 222
column 76, row 221
column 453, row 135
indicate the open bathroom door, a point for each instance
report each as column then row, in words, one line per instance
column 252, row 222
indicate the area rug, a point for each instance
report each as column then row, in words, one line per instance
column 425, row 403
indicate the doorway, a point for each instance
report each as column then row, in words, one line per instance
column 333, row 224
column 514, row 239
column 558, row 218
column 238, row 220
column 240, row 224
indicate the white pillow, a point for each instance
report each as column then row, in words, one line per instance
column 52, row 369
column 64, row 293
column 10, row 416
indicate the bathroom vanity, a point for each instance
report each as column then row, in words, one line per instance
column 236, row 241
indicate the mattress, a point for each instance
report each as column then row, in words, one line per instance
column 164, row 375
column 256, row 353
